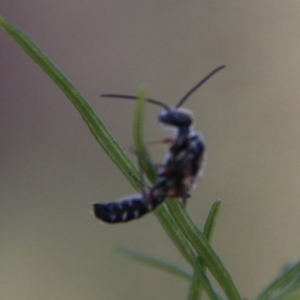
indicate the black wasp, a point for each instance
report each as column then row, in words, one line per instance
column 176, row 176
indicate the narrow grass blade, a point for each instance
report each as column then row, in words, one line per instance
column 288, row 292
column 196, row 289
column 156, row 263
column 204, row 250
column 144, row 158
column 280, row 282
column 167, row 267
column 211, row 220
column 295, row 295
column 212, row 295
column 197, row 286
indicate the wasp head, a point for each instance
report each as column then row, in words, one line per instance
column 175, row 117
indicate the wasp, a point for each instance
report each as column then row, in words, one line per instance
column 176, row 175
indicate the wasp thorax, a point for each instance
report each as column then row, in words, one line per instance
column 175, row 117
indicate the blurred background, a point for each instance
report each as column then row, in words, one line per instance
column 52, row 169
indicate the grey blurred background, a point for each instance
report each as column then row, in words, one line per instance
column 52, row 169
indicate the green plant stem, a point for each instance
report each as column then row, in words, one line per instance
column 144, row 158
column 197, row 286
column 185, row 248
column 204, row 250
column 211, row 220
column 280, row 282
column 290, row 290
column 293, row 295
column 157, row 263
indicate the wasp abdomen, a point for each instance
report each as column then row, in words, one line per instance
column 122, row 211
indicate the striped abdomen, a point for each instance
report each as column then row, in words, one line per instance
column 130, row 208
column 122, row 211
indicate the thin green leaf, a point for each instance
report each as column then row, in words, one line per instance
column 197, row 286
column 184, row 246
column 204, row 250
column 167, row 267
column 196, row 289
column 287, row 291
column 293, row 295
column 156, row 263
column 205, row 281
column 144, row 157
column 211, row 220
column 280, row 282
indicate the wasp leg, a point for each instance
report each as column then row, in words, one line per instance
column 159, row 142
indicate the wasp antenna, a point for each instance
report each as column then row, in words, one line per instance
column 191, row 91
column 159, row 103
